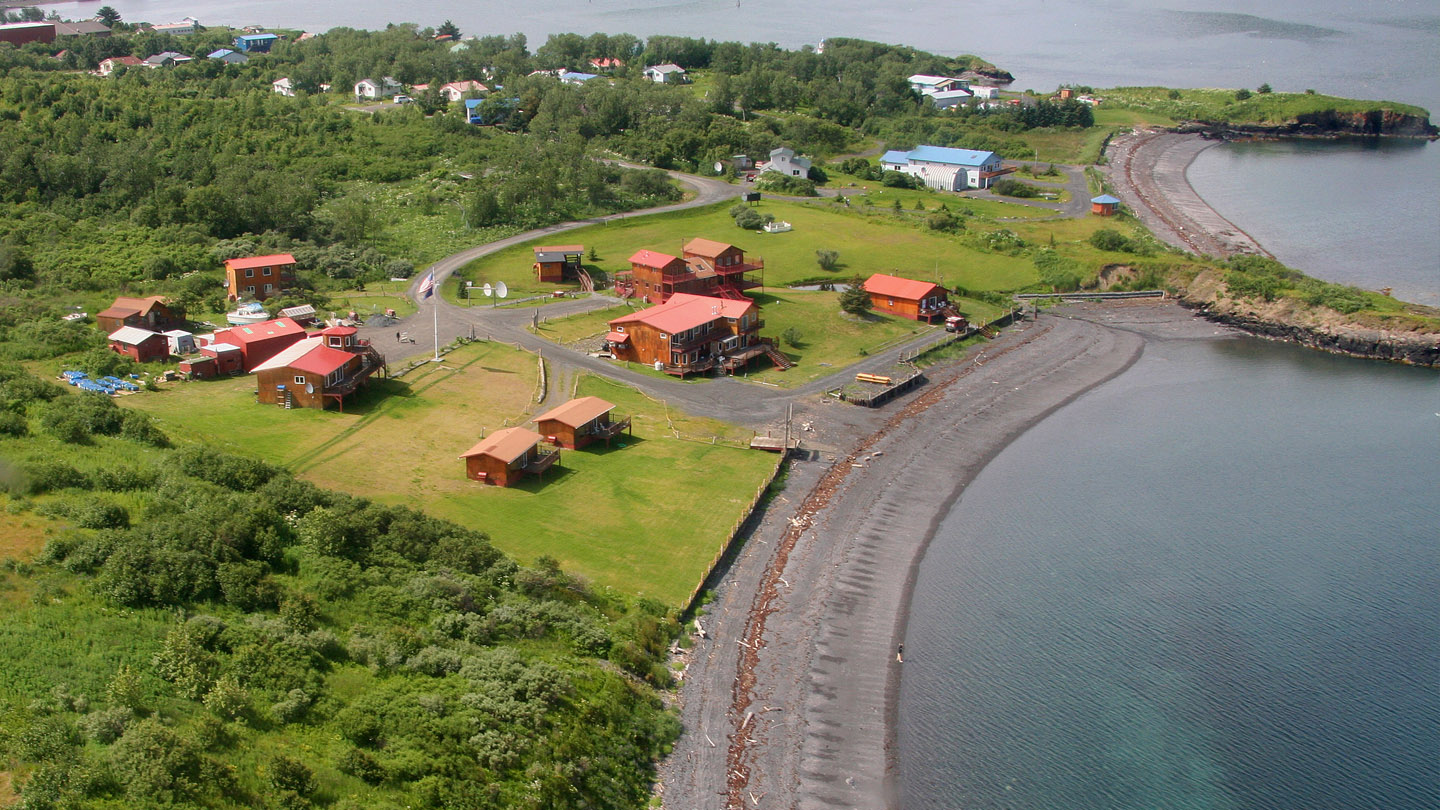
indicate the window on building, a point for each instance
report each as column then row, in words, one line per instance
column 249, row 272
column 299, row 380
column 250, row 288
column 269, row 287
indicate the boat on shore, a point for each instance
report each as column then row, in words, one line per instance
column 247, row 314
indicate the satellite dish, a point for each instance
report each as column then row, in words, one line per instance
column 501, row 290
column 487, row 290
column 309, row 388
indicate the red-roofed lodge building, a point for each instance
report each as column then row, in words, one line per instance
column 692, row 334
column 707, row 268
column 259, row 277
column 907, row 298
column 259, row 342
column 155, row 313
column 323, row 368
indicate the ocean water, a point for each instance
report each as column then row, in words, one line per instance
column 1213, row 582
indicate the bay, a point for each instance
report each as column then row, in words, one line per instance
column 1209, row 583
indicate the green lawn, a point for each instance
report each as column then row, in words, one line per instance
column 400, row 444
column 867, row 244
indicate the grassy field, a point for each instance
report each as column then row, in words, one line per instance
column 400, row 444
column 1222, row 105
column 866, row 244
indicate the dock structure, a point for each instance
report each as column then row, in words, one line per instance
column 874, row 390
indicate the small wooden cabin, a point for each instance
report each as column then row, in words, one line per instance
column 506, row 456
column 580, row 422
column 556, row 263
column 907, row 298
column 141, row 345
column 1104, row 205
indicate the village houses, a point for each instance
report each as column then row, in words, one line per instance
column 506, row 456
column 692, row 334
column 707, row 268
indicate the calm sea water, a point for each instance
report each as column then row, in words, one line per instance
column 1210, row 583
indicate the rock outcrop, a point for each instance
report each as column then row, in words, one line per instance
column 1322, row 124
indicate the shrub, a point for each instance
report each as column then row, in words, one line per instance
column 749, row 219
column 945, row 222
column 48, row 476
column 1242, row 94
column 828, row 259
column 792, row 337
column 107, row 725
column 1015, row 188
column 1107, row 239
column 227, row 698
column 893, row 179
column 855, row 300
column 13, row 424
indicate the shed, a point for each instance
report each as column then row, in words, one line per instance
column 506, row 456
column 1104, row 205
column 141, row 345
column 580, row 422
column 181, row 342
column 200, row 368
column 555, row 262
column 229, row 359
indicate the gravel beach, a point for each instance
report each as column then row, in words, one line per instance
column 789, row 698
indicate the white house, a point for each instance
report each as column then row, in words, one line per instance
column 785, row 161
column 982, row 91
column 371, row 89
column 165, row 59
column 927, row 84
column 946, row 169
column 666, row 74
column 454, row 91
column 949, row 99
column 283, row 86
column 179, row 29
column 108, row 66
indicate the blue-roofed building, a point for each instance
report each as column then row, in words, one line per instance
column 945, row 169
column 488, row 111
column 1104, row 205
column 575, row 77
column 255, row 43
column 228, row 56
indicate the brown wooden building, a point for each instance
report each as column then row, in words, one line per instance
column 506, row 456
column 315, row 372
column 691, row 334
column 707, row 268
column 259, row 277
column 155, row 313
column 580, row 422
column 141, row 345
column 907, row 298
column 558, row 263
column 1104, row 205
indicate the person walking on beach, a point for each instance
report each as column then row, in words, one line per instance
column 900, row 654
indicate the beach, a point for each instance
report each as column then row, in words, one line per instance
column 789, row 698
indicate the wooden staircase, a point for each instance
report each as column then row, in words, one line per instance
column 777, row 357
column 586, row 283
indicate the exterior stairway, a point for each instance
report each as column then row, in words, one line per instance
column 778, row 358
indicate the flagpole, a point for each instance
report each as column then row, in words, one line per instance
column 435, row 313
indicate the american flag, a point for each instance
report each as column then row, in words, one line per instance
column 427, row 287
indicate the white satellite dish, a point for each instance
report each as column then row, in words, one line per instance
column 501, row 290
column 487, row 290
column 309, row 388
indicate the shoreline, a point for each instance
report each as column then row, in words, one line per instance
column 792, row 696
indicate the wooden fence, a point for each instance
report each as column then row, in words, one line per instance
column 732, row 536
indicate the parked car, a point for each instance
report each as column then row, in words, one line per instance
column 404, row 100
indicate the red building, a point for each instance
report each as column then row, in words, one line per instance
column 154, row 313
column 690, row 334
column 907, row 298
column 708, row 268
column 20, row 33
column 261, row 341
column 141, row 345
column 580, row 422
column 1104, row 205
column 259, row 277
column 229, row 360
column 200, row 368
column 556, row 263
column 316, row 371
column 506, row 456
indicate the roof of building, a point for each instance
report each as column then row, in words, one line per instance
column 220, row 347
column 652, row 258
column 219, row 53
column 261, row 331
column 577, row 412
column 133, row 335
column 309, row 355
column 668, row 67
column 162, row 57
column 175, row 333
column 259, row 261
column 125, row 307
column 1105, row 199
column 298, row 311
column 65, row 29
column 472, row 103
column 124, row 60
column 339, row 330
column 708, row 248
column 946, row 95
column 19, row 25
column 560, row 249
column 465, row 86
column 606, row 61
column 505, row 445
column 685, row 311
column 939, row 154
column 572, row 75
column 896, row 287
column 258, row 37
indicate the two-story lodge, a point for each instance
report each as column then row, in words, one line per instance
column 707, row 268
column 692, row 334
column 318, row 370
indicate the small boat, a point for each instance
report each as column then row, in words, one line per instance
column 246, row 314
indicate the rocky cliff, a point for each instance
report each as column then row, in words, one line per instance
column 1324, row 123
column 1315, row 327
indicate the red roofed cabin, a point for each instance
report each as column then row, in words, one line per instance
column 557, row 263
column 141, row 345
column 326, row 367
column 907, row 298
column 708, row 268
column 261, row 341
column 259, row 277
column 689, row 334
column 154, row 313
column 506, row 456
column 580, row 422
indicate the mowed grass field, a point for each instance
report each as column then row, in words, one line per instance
column 645, row 519
column 867, row 244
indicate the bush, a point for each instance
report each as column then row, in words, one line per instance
column 828, row 259
column 13, row 424
column 1106, row 239
column 855, row 300
column 1015, row 188
column 1242, row 94
column 48, row 476
column 893, row 179
column 944, row 221
column 792, row 337
column 750, row 219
